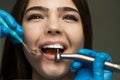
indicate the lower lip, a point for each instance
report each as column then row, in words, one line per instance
column 49, row 56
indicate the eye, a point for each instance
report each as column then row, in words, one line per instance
column 70, row 18
column 35, row 17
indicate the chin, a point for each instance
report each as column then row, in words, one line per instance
column 54, row 71
column 50, row 75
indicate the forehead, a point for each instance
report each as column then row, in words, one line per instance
column 51, row 4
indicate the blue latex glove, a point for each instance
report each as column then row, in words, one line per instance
column 89, row 71
column 4, row 32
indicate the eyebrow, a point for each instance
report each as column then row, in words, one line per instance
column 68, row 9
column 41, row 8
column 38, row 8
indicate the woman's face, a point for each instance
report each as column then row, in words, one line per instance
column 51, row 25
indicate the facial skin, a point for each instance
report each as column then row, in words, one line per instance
column 51, row 22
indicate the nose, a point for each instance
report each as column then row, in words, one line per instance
column 53, row 29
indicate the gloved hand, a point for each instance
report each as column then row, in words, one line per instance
column 4, row 32
column 89, row 71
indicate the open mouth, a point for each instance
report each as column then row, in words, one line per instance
column 50, row 50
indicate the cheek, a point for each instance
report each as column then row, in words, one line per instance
column 32, row 32
column 76, row 35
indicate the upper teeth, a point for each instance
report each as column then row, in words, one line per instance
column 53, row 46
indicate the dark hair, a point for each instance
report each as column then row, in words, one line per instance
column 82, row 6
column 14, row 63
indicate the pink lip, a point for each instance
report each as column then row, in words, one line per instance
column 50, row 56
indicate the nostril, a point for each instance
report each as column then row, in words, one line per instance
column 58, row 32
column 49, row 32
column 54, row 32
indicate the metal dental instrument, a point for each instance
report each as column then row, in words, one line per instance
column 13, row 33
column 83, row 58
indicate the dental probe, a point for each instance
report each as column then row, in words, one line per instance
column 83, row 58
column 13, row 33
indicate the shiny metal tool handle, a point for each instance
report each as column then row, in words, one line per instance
column 108, row 65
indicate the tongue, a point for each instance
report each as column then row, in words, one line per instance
column 49, row 53
column 49, row 56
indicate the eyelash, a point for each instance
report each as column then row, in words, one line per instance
column 35, row 17
column 70, row 18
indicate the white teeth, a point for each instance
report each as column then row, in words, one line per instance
column 58, row 46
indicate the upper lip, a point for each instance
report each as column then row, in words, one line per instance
column 63, row 44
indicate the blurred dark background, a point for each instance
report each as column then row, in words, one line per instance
column 105, row 16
